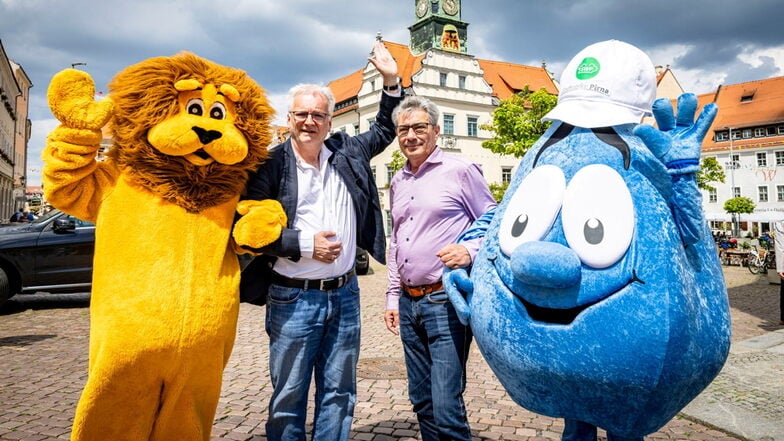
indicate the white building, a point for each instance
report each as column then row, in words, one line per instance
column 747, row 139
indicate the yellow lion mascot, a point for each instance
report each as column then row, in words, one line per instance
column 186, row 133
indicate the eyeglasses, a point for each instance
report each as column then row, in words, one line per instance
column 419, row 129
column 302, row 116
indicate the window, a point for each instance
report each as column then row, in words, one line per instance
column 371, row 121
column 733, row 163
column 356, row 129
column 759, row 132
column 722, row 136
column 389, row 222
column 736, row 192
column 461, row 81
column 770, row 131
column 735, row 134
column 449, row 124
column 780, row 193
column 473, row 126
column 373, row 170
column 762, row 159
column 781, row 130
column 746, row 133
column 762, row 193
column 779, row 158
column 390, row 173
column 712, row 196
column 506, row 175
column 442, row 79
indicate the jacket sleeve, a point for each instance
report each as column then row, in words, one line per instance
column 382, row 131
column 265, row 183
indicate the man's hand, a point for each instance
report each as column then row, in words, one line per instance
column 392, row 320
column 324, row 248
column 384, row 63
column 454, row 256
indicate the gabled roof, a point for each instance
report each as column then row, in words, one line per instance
column 746, row 105
column 508, row 78
column 505, row 78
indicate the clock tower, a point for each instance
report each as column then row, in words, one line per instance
column 438, row 25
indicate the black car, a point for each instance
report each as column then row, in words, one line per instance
column 53, row 253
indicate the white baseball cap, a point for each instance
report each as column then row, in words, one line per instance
column 606, row 84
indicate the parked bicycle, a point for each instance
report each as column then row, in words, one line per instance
column 757, row 263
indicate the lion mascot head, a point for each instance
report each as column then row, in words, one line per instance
column 187, row 129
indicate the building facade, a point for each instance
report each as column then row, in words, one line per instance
column 437, row 64
column 747, row 140
column 15, row 130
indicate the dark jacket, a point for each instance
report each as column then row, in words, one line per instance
column 276, row 178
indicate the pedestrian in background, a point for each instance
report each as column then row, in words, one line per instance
column 433, row 199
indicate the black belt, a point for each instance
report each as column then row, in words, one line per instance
column 319, row 284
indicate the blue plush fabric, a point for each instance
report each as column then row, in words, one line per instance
column 614, row 312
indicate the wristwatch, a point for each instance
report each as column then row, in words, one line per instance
column 393, row 88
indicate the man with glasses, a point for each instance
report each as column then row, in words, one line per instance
column 434, row 198
column 326, row 187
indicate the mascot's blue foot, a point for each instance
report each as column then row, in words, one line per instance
column 575, row 430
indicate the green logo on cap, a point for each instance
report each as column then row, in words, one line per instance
column 588, row 68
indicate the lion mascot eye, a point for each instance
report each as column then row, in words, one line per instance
column 218, row 111
column 195, row 107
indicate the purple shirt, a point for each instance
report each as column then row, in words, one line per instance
column 429, row 211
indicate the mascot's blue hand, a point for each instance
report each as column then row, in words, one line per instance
column 457, row 282
column 678, row 141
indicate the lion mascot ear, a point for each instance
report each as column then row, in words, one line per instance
column 184, row 135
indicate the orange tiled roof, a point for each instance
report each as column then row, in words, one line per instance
column 504, row 78
column 746, row 105
column 508, row 78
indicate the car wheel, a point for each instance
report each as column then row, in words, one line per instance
column 5, row 287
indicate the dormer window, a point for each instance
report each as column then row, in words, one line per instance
column 747, row 96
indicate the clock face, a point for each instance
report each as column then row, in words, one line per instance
column 421, row 8
column 451, row 6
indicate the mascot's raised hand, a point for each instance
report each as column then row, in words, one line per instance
column 73, row 145
column 677, row 143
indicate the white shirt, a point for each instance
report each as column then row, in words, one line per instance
column 323, row 204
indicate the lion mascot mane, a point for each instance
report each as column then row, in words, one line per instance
column 185, row 132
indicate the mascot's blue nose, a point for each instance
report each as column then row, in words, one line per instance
column 546, row 264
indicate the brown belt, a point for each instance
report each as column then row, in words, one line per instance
column 421, row 290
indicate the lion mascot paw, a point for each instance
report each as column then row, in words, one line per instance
column 185, row 133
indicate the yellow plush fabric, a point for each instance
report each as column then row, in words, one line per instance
column 165, row 298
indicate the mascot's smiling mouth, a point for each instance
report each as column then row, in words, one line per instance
column 199, row 157
column 555, row 315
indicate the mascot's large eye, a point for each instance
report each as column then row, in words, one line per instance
column 598, row 215
column 533, row 208
column 218, row 111
column 195, row 107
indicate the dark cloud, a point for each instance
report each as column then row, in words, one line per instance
column 284, row 42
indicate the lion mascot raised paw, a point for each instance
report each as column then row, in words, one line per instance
column 185, row 134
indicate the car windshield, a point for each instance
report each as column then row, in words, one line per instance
column 44, row 217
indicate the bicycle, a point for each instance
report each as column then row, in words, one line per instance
column 759, row 264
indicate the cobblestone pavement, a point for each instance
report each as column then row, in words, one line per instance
column 43, row 348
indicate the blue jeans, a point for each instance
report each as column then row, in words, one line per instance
column 575, row 430
column 313, row 331
column 436, row 347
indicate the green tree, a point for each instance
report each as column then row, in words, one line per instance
column 710, row 171
column 498, row 190
column 517, row 122
column 397, row 162
column 737, row 206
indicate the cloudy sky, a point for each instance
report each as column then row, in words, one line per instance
column 284, row 42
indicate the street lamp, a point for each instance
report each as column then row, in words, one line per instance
column 735, row 231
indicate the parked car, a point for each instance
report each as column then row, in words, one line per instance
column 53, row 253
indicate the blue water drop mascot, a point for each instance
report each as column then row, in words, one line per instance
column 598, row 295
